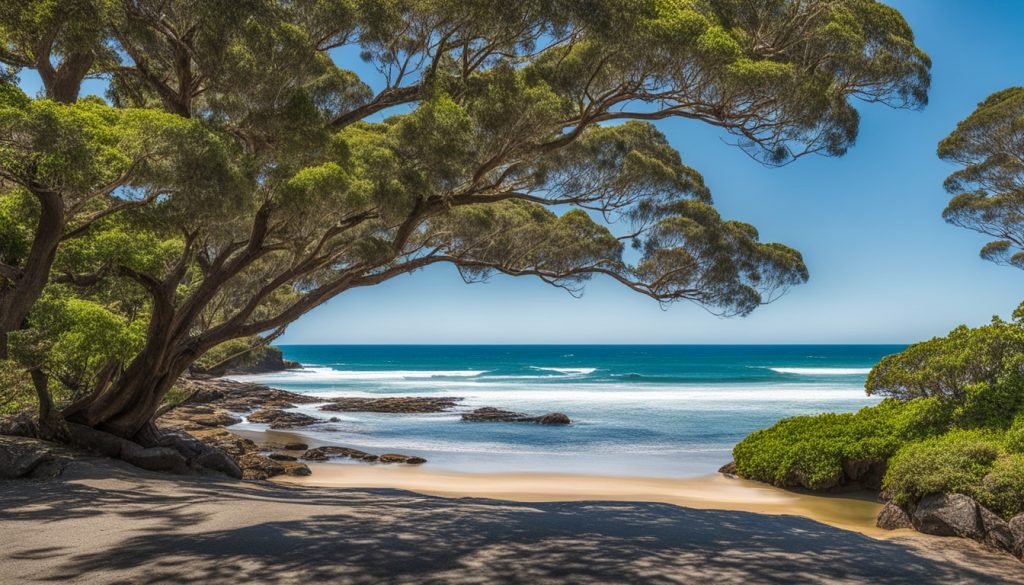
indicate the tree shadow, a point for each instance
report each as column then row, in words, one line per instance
column 201, row 530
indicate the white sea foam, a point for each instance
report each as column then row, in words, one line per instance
column 582, row 371
column 319, row 374
column 822, row 371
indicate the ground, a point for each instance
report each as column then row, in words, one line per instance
column 104, row 522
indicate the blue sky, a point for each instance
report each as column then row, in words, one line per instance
column 884, row 266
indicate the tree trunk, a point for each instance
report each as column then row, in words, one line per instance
column 17, row 299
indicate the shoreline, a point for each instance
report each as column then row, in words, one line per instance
column 854, row 511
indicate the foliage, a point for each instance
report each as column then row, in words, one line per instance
column 810, row 450
column 953, row 422
column 254, row 177
column 947, row 367
column 988, row 195
column 16, row 391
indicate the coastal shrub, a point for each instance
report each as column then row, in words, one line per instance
column 810, row 450
column 954, row 462
column 1002, row 489
column 990, row 405
column 1015, row 435
column 947, row 367
column 237, row 353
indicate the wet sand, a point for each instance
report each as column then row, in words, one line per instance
column 851, row 511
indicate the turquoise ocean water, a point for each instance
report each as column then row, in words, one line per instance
column 660, row 411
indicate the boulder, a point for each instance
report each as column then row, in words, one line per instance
column 215, row 419
column 295, row 469
column 395, row 458
column 282, row 457
column 325, row 453
column 893, row 517
column 491, row 414
column 26, row 457
column 1016, row 526
column 394, row 404
column 280, row 419
column 256, row 466
column 960, row 515
column 296, row 447
column 729, row 469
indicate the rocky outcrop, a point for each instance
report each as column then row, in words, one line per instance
column 960, row 515
column 325, row 453
column 490, row 414
column 729, row 469
column 281, row 419
column 261, row 360
column 397, row 404
column 1016, row 525
column 26, row 457
column 893, row 517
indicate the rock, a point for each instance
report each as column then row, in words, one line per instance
column 1016, row 526
column 217, row 419
column 296, row 447
column 256, row 466
column 893, row 517
column 282, row 457
column 280, row 419
column 226, row 441
column 325, row 453
column 490, row 414
column 399, row 404
column 395, row 458
column 155, row 458
column 258, row 361
column 729, row 469
column 27, row 457
column 867, row 473
column 296, row 469
column 553, row 418
column 959, row 515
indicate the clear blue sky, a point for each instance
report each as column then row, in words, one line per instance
column 884, row 266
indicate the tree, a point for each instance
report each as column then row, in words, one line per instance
column 501, row 114
column 989, row 188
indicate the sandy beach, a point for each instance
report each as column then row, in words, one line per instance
column 851, row 511
column 105, row 522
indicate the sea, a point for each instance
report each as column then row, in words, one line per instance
column 640, row 410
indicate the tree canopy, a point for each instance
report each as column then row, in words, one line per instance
column 506, row 138
column 988, row 189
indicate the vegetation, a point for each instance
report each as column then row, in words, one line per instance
column 954, row 422
column 238, row 175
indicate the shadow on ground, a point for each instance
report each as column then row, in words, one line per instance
column 105, row 523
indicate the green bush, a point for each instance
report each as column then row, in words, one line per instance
column 1015, row 435
column 1002, row 489
column 810, row 450
column 952, row 463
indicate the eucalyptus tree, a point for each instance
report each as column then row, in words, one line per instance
column 505, row 138
column 989, row 188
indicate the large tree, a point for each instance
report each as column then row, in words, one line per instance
column 513, row 132
column 989, row 188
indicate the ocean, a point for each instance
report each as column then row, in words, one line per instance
column 657, row 411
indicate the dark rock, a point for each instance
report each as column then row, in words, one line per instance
column 729, row 469
column 280, row 419
column 325, row 453
column 25, row 457
column 296, row 447
column 399, row 404
column 296, row 469
column 893, row 517
column 1016, row 526
column 867, row 473
column 256, row 466
column 553, row 418
column 490, row 414
column 217, row 419
column 396, row 458
column 282, row 457
column 959, row 515
column 948, row 515
column 258, row 361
